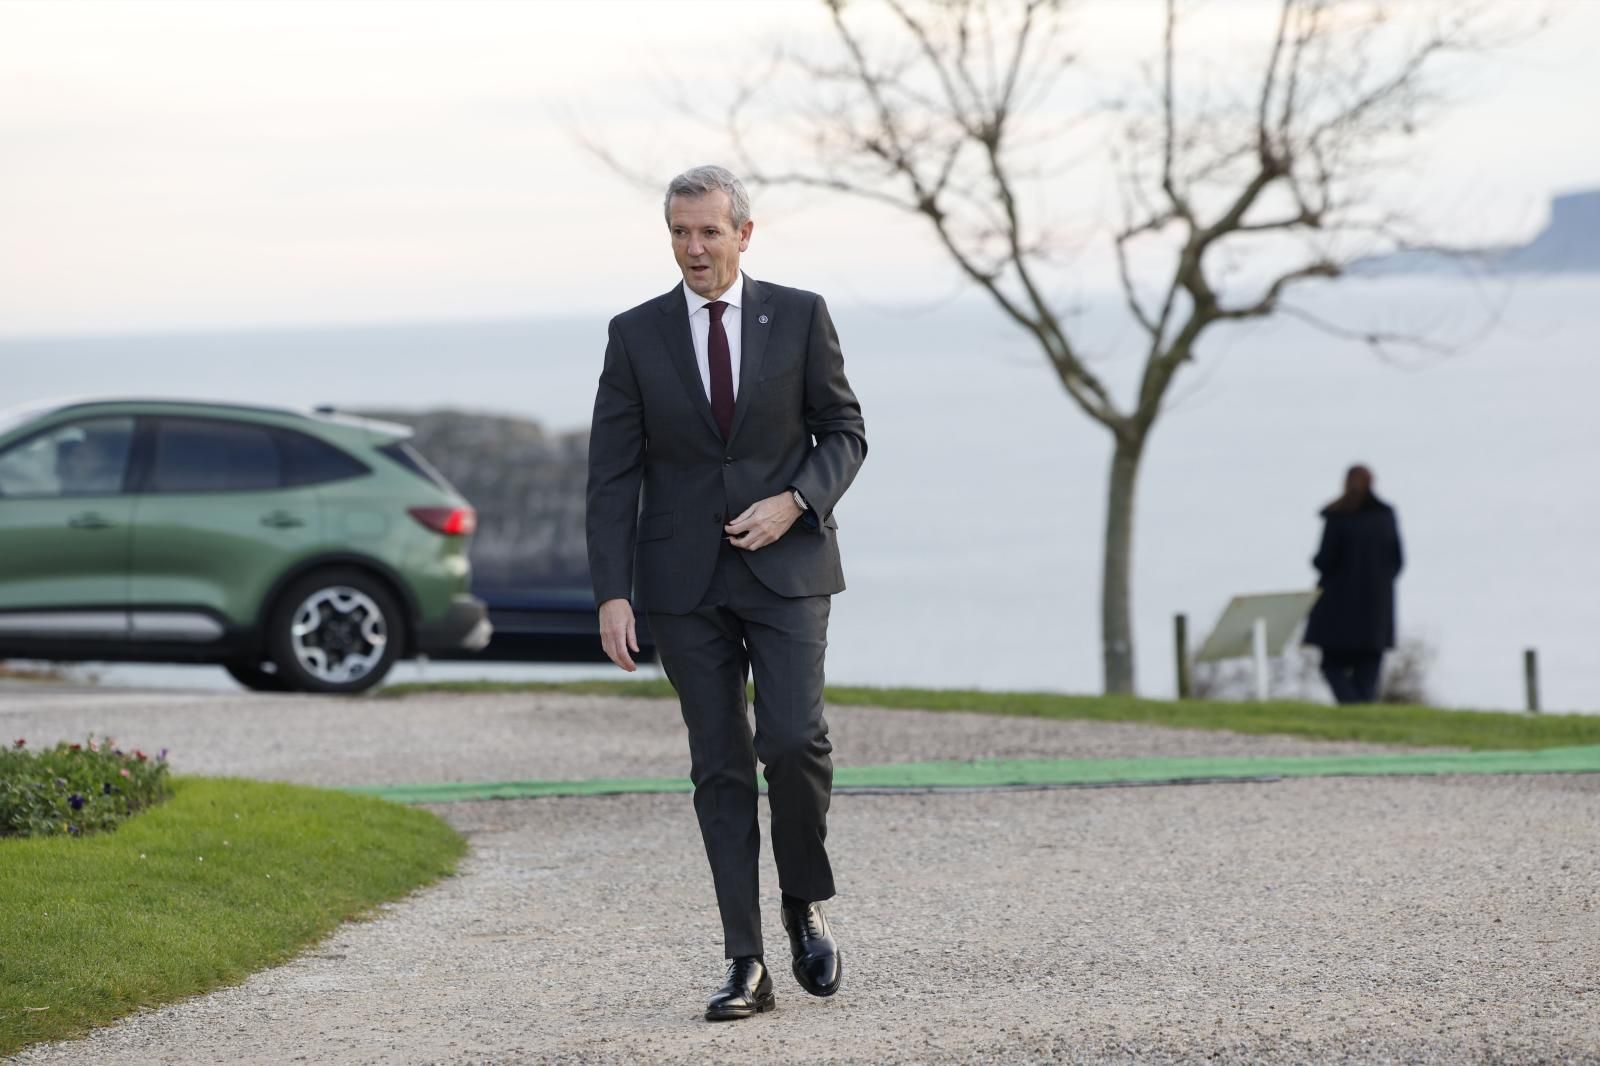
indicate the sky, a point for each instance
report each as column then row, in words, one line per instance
column 201, row 165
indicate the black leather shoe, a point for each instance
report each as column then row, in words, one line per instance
column 816, row 957
column 747, row 990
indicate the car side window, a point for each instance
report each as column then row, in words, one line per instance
column 309, row 461
column 213, row 455
column 87, row 458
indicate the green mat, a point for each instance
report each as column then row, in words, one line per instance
column 1044, row 773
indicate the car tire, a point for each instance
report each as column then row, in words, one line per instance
column 336, row 632
column 255, row 678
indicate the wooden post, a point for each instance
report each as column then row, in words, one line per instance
column 1530, row 678
column 1258, row 641
column 1180, row 639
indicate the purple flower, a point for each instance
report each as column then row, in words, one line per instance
column 163, row 755
column 72, row 829
column 76, row 801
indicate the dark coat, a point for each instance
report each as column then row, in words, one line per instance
column 1359, row 558
column 661, row 479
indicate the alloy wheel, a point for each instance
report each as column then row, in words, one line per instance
column 338, row 634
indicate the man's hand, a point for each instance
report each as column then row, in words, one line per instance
column 617, row 636
column 763, row 522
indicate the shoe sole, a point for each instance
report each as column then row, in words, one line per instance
column 821, row 993
column 733, row 1014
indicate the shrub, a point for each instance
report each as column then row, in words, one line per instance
column 76, row 788
column 1297, row 675
column 32, row 671
column 1405, row 673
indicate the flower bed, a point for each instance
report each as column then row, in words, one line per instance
column 74, row 789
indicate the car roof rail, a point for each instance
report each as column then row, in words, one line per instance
column 321, row 412
column 327, row 412
column 77, row 403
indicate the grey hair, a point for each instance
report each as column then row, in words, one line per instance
column 699, row 181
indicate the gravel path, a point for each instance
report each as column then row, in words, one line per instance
column 1428, row 920
column 543, row 736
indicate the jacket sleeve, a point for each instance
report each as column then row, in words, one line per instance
column 1327, row 556
column 1399, row 552
column 833, row 418
column 616, row 467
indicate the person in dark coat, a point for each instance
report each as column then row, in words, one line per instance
column 1358, row 560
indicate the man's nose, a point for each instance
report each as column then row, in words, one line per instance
column 696, row 246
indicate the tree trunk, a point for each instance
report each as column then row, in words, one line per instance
column 1116, row 613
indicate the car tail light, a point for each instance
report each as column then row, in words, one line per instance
column 451, row 521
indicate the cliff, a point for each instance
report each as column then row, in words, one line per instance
column 1568, row 244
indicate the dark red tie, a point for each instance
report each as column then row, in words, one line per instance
column 721, row 370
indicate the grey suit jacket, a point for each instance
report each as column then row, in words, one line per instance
column 795, row 423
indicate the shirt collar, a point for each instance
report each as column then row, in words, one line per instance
column 734, row 297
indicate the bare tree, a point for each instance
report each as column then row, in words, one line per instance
column 941, row 109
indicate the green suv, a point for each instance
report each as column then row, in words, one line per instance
column 300, row 550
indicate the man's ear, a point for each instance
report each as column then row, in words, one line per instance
column 745, row 230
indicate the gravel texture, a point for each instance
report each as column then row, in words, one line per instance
column 542, row 736
column 1427, row 920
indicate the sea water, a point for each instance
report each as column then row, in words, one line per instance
column 972, row 538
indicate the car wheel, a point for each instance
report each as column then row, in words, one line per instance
column 255, row 677
column 335, row 631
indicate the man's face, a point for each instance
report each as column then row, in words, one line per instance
column 705, row 242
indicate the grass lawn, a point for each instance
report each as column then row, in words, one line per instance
column 1373, row 723
column 226, row 877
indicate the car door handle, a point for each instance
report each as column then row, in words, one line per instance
column 89, row 520
column 281, row 520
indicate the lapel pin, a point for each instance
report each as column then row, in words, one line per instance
column 762, row 320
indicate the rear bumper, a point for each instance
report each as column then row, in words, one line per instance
column 464, row 627
column 546, row 625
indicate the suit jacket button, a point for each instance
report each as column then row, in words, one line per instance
column 727, row 460
column 717, row 519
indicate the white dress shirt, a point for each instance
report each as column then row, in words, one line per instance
column 700, row 330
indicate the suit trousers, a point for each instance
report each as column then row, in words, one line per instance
column 742, row 627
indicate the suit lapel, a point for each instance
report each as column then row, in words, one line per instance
column 755, row 320
column 680, row 352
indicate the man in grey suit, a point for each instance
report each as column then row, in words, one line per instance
column 725, row 403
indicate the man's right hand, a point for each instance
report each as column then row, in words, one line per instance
column 617, row 636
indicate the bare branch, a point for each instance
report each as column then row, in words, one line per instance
column 1382, row 342
column 1263, row 137
column 613, row 163
column 1268, row 303
column 832, row 184
column 1169, row 122
column 1130, row 293
column 958, row 108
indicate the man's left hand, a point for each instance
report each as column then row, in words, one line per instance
column 763, row 522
